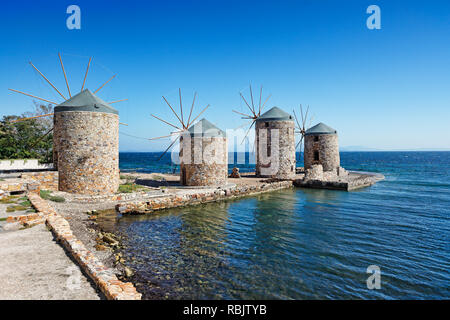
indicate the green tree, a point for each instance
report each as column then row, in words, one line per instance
column 27, row 139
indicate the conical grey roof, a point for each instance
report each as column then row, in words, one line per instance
column 85, row 101
column 320, row 128
column 206, row 129
column 275, row 114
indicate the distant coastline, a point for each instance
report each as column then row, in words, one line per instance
column 344, row 149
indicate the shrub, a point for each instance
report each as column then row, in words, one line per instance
column 47, row 195
column 129, row 187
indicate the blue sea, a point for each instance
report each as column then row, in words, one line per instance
column 301, row 243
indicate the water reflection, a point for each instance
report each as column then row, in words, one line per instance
column 290, row 244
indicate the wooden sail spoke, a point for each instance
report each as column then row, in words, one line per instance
column 260, row 96
column 199, row 114
column 105, row 84
column 248, row 131
column 242, row 114
column 30, row 95
column 41, row 138
column 85, row 75
column 306, row 116
column 296, row 120
column 29, row 118
column 170, row 146
column 181, row 109
column 65, row 76
column 247, row 104
column 251, row 97
column 117, row 101
column 48, row 81
column 172, row 125
column 176, row 115
column 301, row 113
column 192, row 108
column 264, row 104
column 169, row 135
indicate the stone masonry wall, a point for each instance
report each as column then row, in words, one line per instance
column 47, row 180
column 204, row 161
column 199, row 197
column 87, row 146
column 280, row 164
column 328, row 148
column 104, row 278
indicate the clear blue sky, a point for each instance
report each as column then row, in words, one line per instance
column 385, row 89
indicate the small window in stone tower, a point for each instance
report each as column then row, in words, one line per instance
column 266, row 124
column 269, row 151
column 316, row 155
column 316, row 138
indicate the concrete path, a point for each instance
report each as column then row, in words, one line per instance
column 33, row 266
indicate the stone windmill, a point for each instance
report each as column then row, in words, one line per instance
column 85, row 139
column 274, row 139
column 203, row 148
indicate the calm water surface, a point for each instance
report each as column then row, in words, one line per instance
column 304, row 244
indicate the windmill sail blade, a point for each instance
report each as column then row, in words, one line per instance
column 200, row 114
column 306, row 116
column 48, row 81
column 117, row 101
column 65, row 76
column 303, row 119
column 29, row 118
column 260, row 96
column 248, row 131
column 105, row 83
column 85, row 75
column 247, row 104
column 296, row 120
column 242, row 125
column 176, row 115
column 30, row 95
column 299, row 143
column 181, row 109
column 192, row 108
column 166, row 122
column 169, row 135
column 310, row 121
column 265, row 102
column 251, row 96
column 170, row 146
column 242, row 114
column 41, row 138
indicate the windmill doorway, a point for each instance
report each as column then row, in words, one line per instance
column 183, row 176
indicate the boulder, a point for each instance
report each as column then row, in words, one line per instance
column 235, row 173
